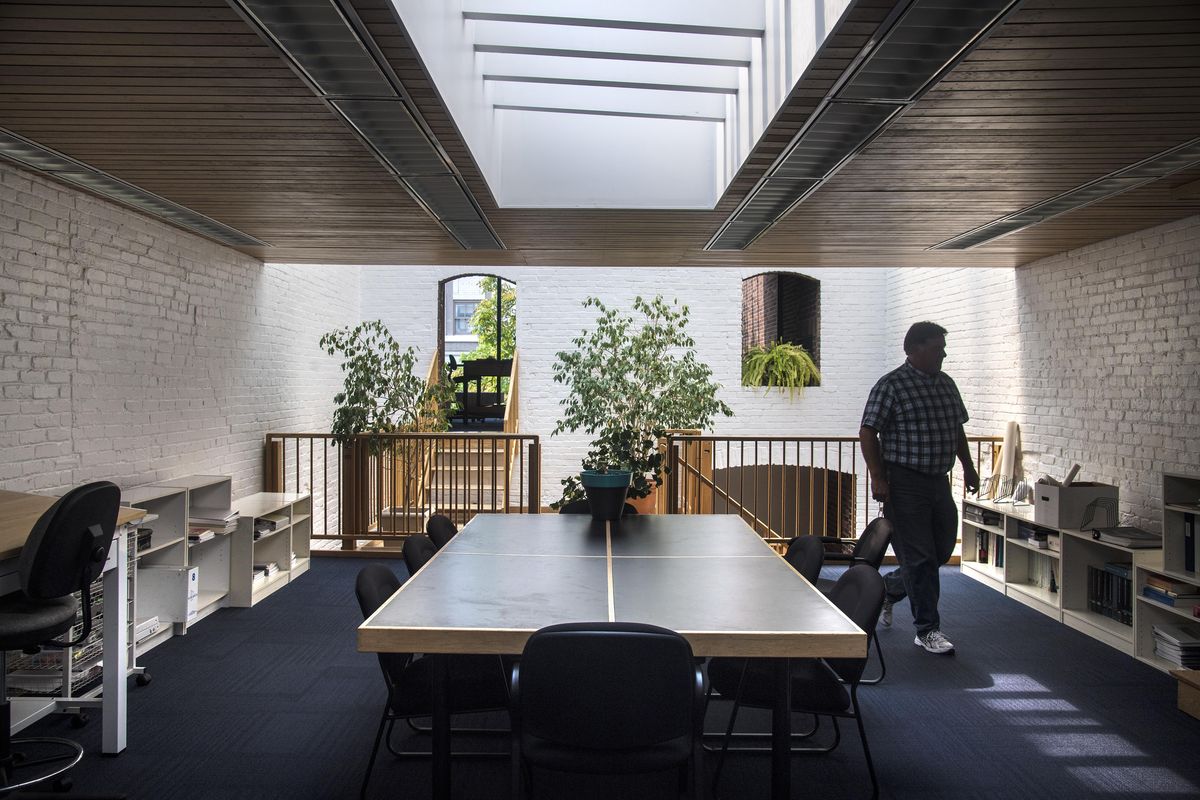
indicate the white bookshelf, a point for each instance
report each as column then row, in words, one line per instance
column 291, row 517
column 1053, row 581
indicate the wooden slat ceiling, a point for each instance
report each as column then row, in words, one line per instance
column 182, row 98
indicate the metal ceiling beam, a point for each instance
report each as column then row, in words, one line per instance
column 663, row 87
column 604, row 113
column 658, row 58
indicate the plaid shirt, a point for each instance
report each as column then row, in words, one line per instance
column 919, row 418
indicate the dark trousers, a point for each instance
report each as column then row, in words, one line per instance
column 925, row 521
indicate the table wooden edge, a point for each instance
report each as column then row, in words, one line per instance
column 765, row 644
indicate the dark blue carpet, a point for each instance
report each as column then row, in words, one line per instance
column 275, row 702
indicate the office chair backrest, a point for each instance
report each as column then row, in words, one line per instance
column 69, row 544
column 417, row 551
column 873, row 543
column 607, row 686
column 440, row 530
column 859, row 595
column 806, row 554
column 373, row 586
column 582, row 507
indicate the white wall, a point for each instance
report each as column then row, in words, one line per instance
column 549, row 315
column 1094, row 352
column 133, row 351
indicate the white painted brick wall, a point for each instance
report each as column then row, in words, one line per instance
column 134, row 351
column 549, row 315
column 1094, row 352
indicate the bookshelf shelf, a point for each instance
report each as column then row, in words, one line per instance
column 291, row 514
column 1055, row 582
column 1180, row 550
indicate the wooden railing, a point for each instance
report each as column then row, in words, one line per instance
column 373, row 490
column 782, row 486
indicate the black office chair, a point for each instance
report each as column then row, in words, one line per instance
column 65, row 553
column 607, row 698
column 440, row 529
column 806, row 554
column 477, row 683
column 869, row 548
column 819, row 686
column 581, row 507
column 417, row 551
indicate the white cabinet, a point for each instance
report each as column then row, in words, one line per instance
column 271, row 545
column 1181, row 512
column 1065, row 574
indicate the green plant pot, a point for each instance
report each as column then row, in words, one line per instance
column 606, row 492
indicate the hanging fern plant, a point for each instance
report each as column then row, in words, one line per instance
column 781, row 366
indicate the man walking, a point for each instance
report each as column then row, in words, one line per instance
column 912, row 429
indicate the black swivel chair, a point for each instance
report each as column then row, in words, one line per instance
column 440, row 529
column 607, row 698
column 65, row 553
column 822, row 687
column 417, row 551
column 477, row 683
column 869, row 548
column 806, row 554
column 581, row 507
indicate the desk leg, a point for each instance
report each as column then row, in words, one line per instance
column 781, row 732
column 441, row 726
column 116, row 646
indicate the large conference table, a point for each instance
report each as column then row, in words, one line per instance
column 709, row 577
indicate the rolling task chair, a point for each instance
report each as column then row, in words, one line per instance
column 65, row 553
column 607, row 698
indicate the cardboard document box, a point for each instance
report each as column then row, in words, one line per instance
column 1080, row 506
column 168, row 592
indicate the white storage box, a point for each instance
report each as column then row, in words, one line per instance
column 1080, row 506
column 170, row 593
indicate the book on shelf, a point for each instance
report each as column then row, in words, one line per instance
column 197, row 535
column 1171, row 586
column 1110, row 591
column 220, row 519
column 1166, row 598
column 1189, row 542
column 1128, row 536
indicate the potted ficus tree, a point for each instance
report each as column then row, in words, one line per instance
column 380, row 394
column 630, row 378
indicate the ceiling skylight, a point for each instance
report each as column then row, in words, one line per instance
column 614, row 103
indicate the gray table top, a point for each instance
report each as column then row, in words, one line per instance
column 709, row 576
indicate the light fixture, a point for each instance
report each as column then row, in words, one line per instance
column 1150, row 169
column 915, row 46
column 326, row 43
column 64, row 168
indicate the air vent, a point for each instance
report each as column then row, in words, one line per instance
column 64, row 168
column 1177, row 158
column 918, row 44
column 329, row 47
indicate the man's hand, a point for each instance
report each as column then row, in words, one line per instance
column 879, row 488
column 971, row 478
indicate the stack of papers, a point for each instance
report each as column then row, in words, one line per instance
column 1178, row 644
column 218, row 520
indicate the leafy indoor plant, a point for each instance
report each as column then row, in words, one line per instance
column 783, row 365
column 380, row 393
column 630, row 379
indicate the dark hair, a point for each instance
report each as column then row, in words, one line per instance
column 920, row 332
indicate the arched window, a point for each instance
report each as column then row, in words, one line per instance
column 782, row 307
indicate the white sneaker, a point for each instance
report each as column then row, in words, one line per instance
column 935, row 642
column 885, row 616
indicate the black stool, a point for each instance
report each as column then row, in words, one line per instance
column 64, row 553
